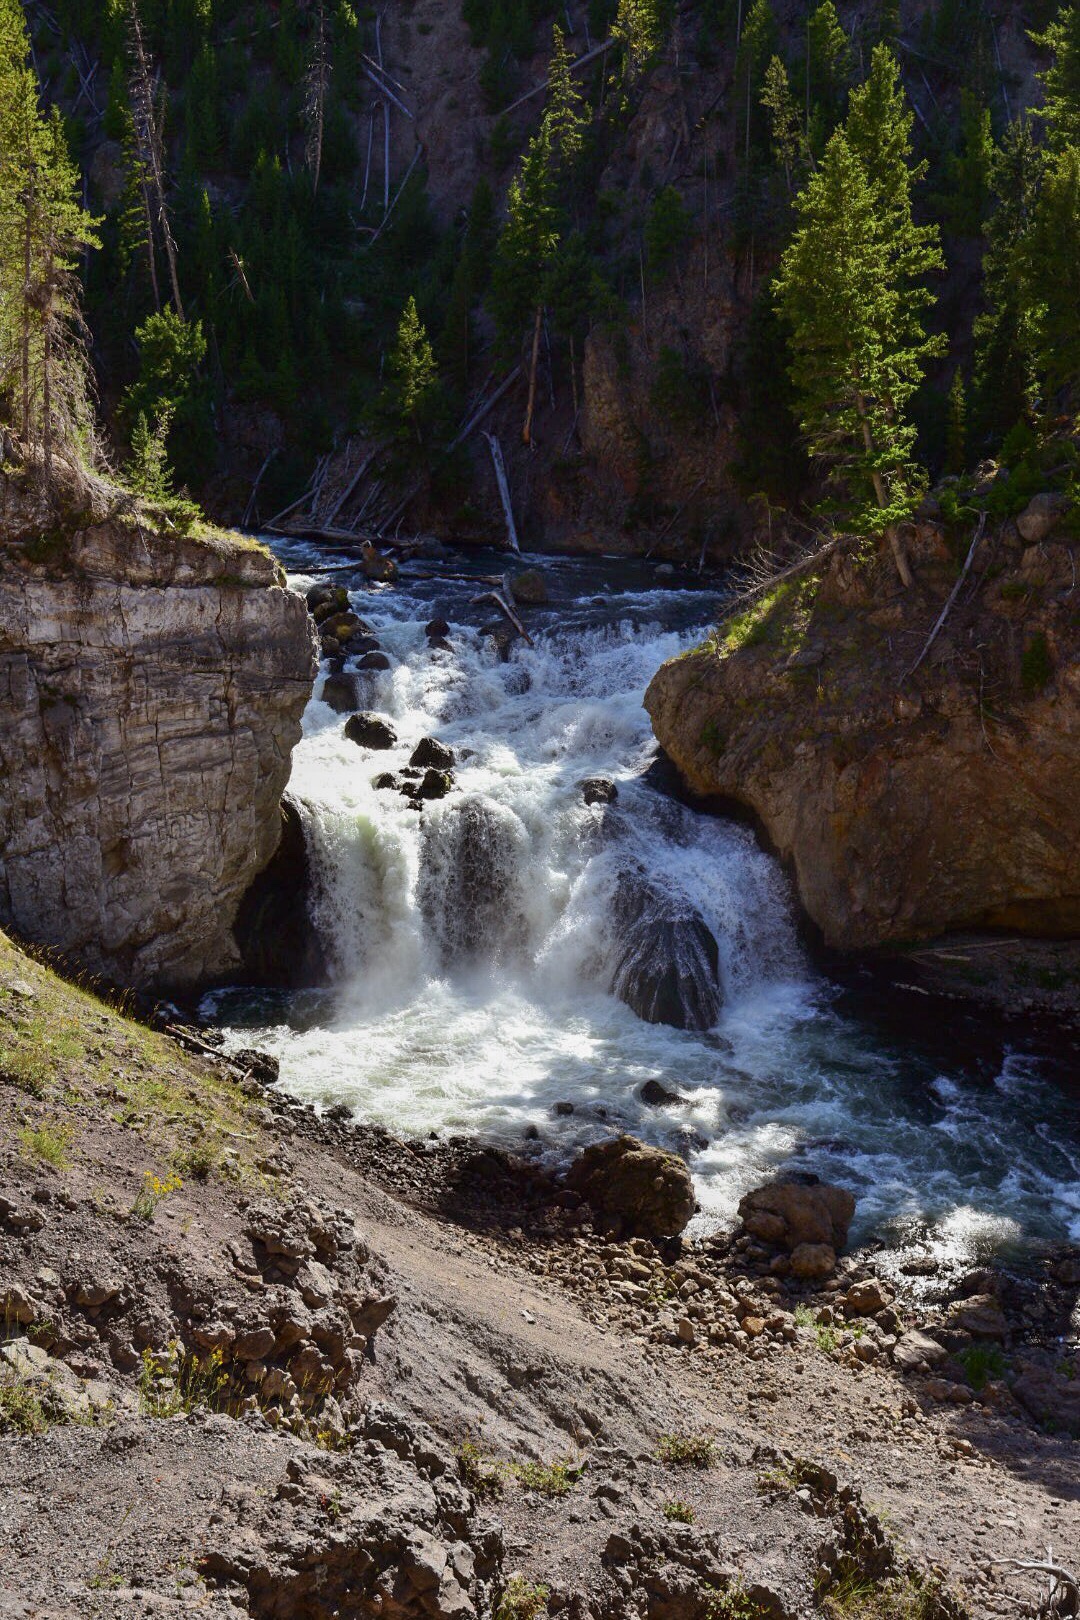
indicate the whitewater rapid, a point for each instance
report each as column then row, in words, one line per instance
column 474, row 949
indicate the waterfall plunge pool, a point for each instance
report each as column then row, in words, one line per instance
column 474, row 948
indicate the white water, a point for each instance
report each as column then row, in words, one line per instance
column 474, row 948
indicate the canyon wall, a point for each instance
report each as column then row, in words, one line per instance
column 151, row 689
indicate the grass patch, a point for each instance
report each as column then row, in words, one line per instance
column 678, row 1512
column 549, row 1479
column 522, row 1600
column 908, row 1598
column 687, row 1450
column 48, row 1141
column 481, row 1474
column 981, row 1363
column 21, row 1410
column 733, row 1604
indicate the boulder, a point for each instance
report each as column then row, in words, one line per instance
column 667, row 963
column 866, row 1298
column 647, row 1191
column 598, row 790
column 436, row 629
column 529, row 588
column 1039, row 516
column 386, row 779
column 430, row 753
column 813, row 1261
column 274, row 930
column 657, row 1095
column 812, row 1212
column 361, row 643
column 436, row 784
column 981, row 1316
column 341, row 693
column 1049, row 1396
column 918, row 1350
column 370, row 730
column 374, row 660
column 375, row 565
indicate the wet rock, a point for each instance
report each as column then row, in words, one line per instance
column 386, row 779
column 436, row 784
column 370, row 730
column 359, row 644
column 340, row 626
column 658, row 1096
column 810, row 1213
column 277, row 939
column 667, row 965
column 375, row 565
column 435, row 629
column 429, row 752
column 813, row 1261
column 374, row 660
column 647, row 1191
column 341, row 693
column 598, row 790
column 325, row 600
column 529, row 587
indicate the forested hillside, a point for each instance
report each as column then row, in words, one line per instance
column 317, row 220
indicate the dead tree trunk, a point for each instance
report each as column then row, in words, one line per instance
column 504, row 490
column 150, row 149
column 526, row 431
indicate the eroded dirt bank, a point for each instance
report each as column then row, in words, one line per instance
column 259, row 1363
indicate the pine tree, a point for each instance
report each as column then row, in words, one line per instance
column 564, row 114
column 1061, row 80
column 851, row 287
column 829, row 63
column 639, row 29
column 43, row 231
column 414, row 374
column 956, row 451
column 523, row 256
column 785, row 125
column 1053, row 255
column 1005, row 333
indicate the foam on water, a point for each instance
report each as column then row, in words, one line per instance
column 474, row 949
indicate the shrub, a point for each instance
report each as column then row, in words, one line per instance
column 521, row 1600
column 687, row 1450
column 482, row 1476
column 153, row 1191
column 677, row 1512
column 549, row 1479
column 981, row 1363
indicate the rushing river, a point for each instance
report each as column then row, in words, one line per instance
column 475, row 948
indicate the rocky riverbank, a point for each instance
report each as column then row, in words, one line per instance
column 152, row 683
column 274, row 1364
column 915, row 793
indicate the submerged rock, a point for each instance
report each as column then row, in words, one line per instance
column 436, row 784
column 341, row 693
column 370, row 730
column 667, row 964
column 429, row 752
column 648, row 1192
column 529, row 587
column 598, row 790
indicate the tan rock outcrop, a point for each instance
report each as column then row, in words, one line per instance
column 908, row 804
column 151, row 688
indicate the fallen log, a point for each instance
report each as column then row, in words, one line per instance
column 504, row 607
column 504, row 489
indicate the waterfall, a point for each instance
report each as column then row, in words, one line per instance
column 510, row 958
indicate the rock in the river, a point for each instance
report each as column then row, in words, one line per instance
column 429, row 752
column 151, row 685
column 667, row 963
column 648, row 1191
column 598, row 790
column 386, row 779
column 370, row 730
column 375, row 565
column 341, row 693
column 529, row 587
column 789, row 1214
column 657, row 1095
column 436, row 784
column 374, row 660
column 435, row 629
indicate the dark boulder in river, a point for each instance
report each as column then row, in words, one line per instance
column 278, row 941
column 370, row 730
column 667, row 966
column 341, row 692
column 430, row 753
column 374, row 660
column 598, row 790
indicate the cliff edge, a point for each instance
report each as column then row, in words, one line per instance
column 909, row 802
column 151, row 688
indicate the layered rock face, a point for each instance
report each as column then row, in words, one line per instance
column 151, row 688
column 909, row 803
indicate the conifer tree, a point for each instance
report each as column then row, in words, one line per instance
column 43, row 230
column 852, row 288
column 1005, row 332
column 785, row 125
column 1054, row 273
column 415, row 376
column 829, row 62
column 1061, row 80
column 956, row 425
column 564, row 114
column 639, row 29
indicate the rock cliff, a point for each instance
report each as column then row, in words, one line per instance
column 908, row 804
column 151, row 688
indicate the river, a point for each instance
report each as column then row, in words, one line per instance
column 475, row 947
